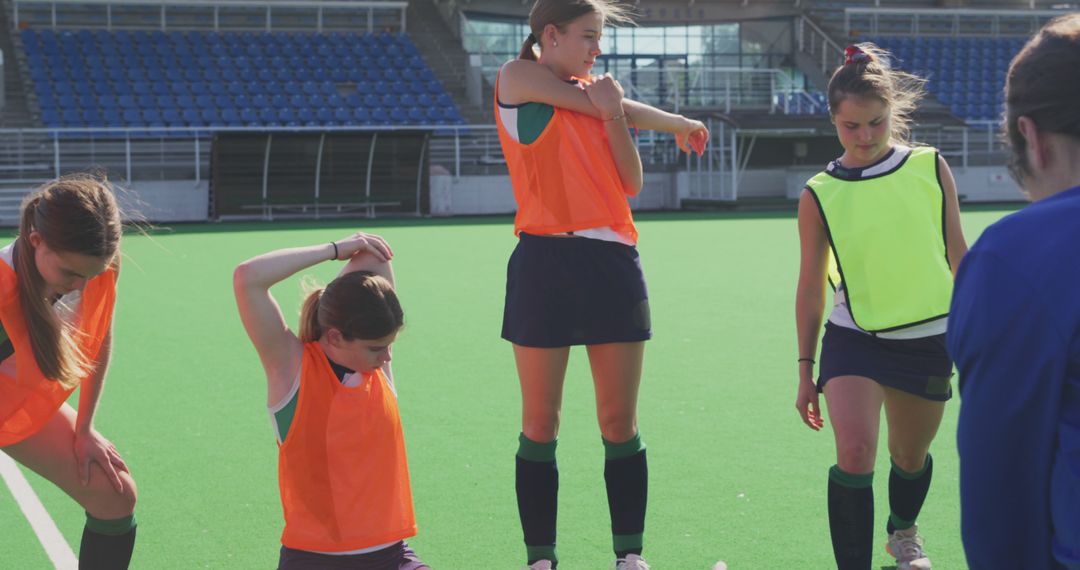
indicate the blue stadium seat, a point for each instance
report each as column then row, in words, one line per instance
column 287, row 117
column 379, row 116
column 249, row 116
column 133, row 118
column 211, row 116
column 72, row 117
column 173, row 118
column 152, row 77
column 192, row 117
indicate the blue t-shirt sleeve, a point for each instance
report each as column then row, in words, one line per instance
column 1011, row 357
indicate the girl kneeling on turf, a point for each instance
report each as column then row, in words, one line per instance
column 342, row 471
column 882, row 222
column 57, row 292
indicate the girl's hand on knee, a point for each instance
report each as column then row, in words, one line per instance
column 809, row 404
column 91, row 447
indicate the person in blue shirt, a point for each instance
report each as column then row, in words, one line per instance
column 1014, row 330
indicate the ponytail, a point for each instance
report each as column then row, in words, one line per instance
column 51, row 340
column 528, row 51
column 310, row 331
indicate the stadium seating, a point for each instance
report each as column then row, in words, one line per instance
column 965, row 74
column 98, row 78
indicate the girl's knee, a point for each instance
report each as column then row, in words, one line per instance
column 541, row 430
column 618, row 428
column 856, row 456
column 103, row 501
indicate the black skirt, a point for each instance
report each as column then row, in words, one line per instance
column 919, row 366
column 565, row 291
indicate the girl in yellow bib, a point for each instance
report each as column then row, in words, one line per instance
column 575, row 277
column 882, row 224
column 342, row 470
column 57, row 292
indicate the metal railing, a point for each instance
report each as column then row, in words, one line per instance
column 946, row 22
column 31, row 156
column 253, row 15
column 814, row 41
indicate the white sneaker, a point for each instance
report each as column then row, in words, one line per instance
column 906, row 547
column 631, row 562
column 539, row 565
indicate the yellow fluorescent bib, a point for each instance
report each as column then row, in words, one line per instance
column 887, row 238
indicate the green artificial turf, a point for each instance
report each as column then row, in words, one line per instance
column 734, row 473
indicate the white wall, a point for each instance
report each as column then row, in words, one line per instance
column 167, row 201
column 492, row 194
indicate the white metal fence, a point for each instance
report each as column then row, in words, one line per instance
column 30, row 156
column 251, row 15
column 946, row 22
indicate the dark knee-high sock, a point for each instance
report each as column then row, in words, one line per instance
column 907, row 493
column 851, row 518
column 538, row 497
column 107, row 544
column 626, row 473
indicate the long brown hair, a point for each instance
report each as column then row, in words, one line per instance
column 1043, row 84
column 874, row 77
column 360, row 304
column 73, row 214
column 562, row 12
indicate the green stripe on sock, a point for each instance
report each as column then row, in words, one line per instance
column 851, row 480
column 111, row 527
column 625, row 449
column 535, row 553
column 530, row 450
column 910, row 476
column 899, row 523
column 623, row 542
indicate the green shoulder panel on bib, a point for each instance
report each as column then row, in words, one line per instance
column 887, row 236
column 532, row 119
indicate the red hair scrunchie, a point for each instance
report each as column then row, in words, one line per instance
column 853, row 54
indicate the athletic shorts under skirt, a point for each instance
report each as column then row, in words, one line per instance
column 565, row 291
column 396, row 557
column 919, row 366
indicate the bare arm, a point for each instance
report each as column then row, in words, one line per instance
column 607, row 95
column 278, row 347
column 955, row 244
column 91, row 388
column 810, row 304
column 523, row 81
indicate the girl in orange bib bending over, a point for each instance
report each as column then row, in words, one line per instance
column 57, row 291
column 342, row 470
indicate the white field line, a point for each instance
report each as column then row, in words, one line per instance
column 56, row 547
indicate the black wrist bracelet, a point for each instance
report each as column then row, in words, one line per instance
column 334, row 243
column 810, row 360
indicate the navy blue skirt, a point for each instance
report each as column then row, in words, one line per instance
column 919, row 366
column 566, row 291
